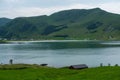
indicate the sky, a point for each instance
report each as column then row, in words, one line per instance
column 26, row 8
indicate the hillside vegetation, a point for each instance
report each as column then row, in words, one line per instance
column 4, row 21
column 91, row 24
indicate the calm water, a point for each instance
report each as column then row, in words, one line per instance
column 62, row 53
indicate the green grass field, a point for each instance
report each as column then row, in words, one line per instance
column 2, row 41
column 35, row 72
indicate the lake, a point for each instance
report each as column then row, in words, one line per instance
column 61, row 53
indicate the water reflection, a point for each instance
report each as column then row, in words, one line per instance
column 64, row 45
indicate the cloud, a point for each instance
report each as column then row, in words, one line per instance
column 13, row 12
column 9, row 1
column 35, row 11
column 113, row 7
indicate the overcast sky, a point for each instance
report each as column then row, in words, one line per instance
column 25, row 8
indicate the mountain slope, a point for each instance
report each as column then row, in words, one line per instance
column 3, row 21
column 69, row 24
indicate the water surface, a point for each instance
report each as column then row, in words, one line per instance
column 62, row 53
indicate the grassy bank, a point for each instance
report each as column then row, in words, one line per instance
column 3, row 41
column 35, row 72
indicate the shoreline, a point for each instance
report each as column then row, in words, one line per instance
column 19, row 41
column 53, row 40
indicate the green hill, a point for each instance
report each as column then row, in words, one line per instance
column 4, row 21
column 92, row 24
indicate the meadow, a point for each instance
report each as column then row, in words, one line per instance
column 36, row 72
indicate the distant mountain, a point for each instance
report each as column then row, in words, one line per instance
column 3, row 21
column 68, row 24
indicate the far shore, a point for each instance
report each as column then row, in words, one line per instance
column 53, row 40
